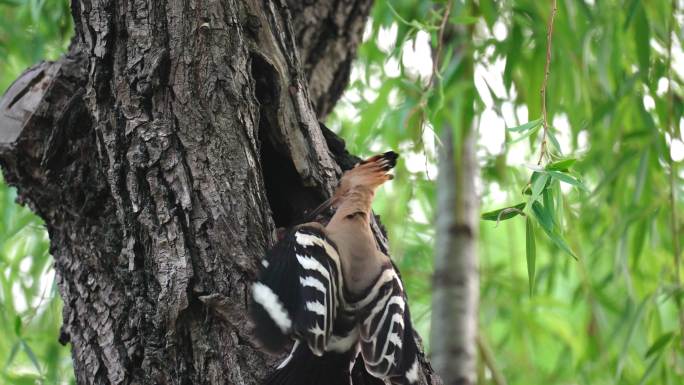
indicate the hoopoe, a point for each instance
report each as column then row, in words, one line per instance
column 331, row 290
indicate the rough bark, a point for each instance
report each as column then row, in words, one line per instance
column 162, row 152
column 327, row 36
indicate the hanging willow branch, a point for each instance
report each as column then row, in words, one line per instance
column 422, row 105
column 549, row 37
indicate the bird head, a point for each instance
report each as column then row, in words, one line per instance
column 366, row 175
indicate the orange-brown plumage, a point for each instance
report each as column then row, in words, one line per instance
column 349, row 227
column 333, row 291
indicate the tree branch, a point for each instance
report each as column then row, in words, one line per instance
column 489, row 360
column 545, row 122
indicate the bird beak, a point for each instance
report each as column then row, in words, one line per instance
column 321, row 208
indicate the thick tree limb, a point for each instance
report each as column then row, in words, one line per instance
column 455, row 281
column 455, row 291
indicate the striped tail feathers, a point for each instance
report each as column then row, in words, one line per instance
column 302, row 367
column 408, row 369
column 340, row 364
column 296, row 293
column 320, row 282
column 274, row 295
column 388, row 346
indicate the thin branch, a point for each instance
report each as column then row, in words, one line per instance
column 422, row 104
column 440, row 43
column 489, row 361
column 674, row 221
column 549, row 36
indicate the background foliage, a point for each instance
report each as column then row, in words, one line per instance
column 30, row 307
column 607, row 316
column 610, row 315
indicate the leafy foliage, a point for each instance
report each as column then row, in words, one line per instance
column 30, row 307
column 30, row 31
column 30, row 315
column 607, row 316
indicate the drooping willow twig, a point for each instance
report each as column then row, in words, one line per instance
column 489, row 361
column 422, row 104
column 545, row 123
column 440, row 43
column 435, row 70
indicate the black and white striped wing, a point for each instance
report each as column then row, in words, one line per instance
column 388, row 346
column 296, row 294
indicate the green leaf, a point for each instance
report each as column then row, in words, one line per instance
column 17, row 325
column 659, row 344
column 514, row 48
column 464, row 20
column 543, row 215
column 374, row 112
column 641, row 175
column 527, row 126
column 525, row 135
column 553, row 140
column 547, row 198
column 649, row 370
column 538, row 184
column 545, row 220
column 567, row 178
column 638, row 239
column 642, row 38
column 560, row 242
column 630, row 10
column 489, row 11
column 12, row 355
column 31, row 355
column 561, row 165
column 530, row 252
column 630, row 334
column 503, row 213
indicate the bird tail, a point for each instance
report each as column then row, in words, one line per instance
column 302, row 367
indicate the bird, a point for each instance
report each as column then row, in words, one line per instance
column 331, row 293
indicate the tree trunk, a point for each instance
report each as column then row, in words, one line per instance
column 455, row 294
column 162, row 152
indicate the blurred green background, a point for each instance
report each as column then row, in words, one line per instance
column 30, row 307
column 610, row 316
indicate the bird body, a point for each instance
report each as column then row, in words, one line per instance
column 336, row 294
column 360, row 258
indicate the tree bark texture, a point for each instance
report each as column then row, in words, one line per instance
column 162, row 152
column 455, row 289
column 455, row 293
